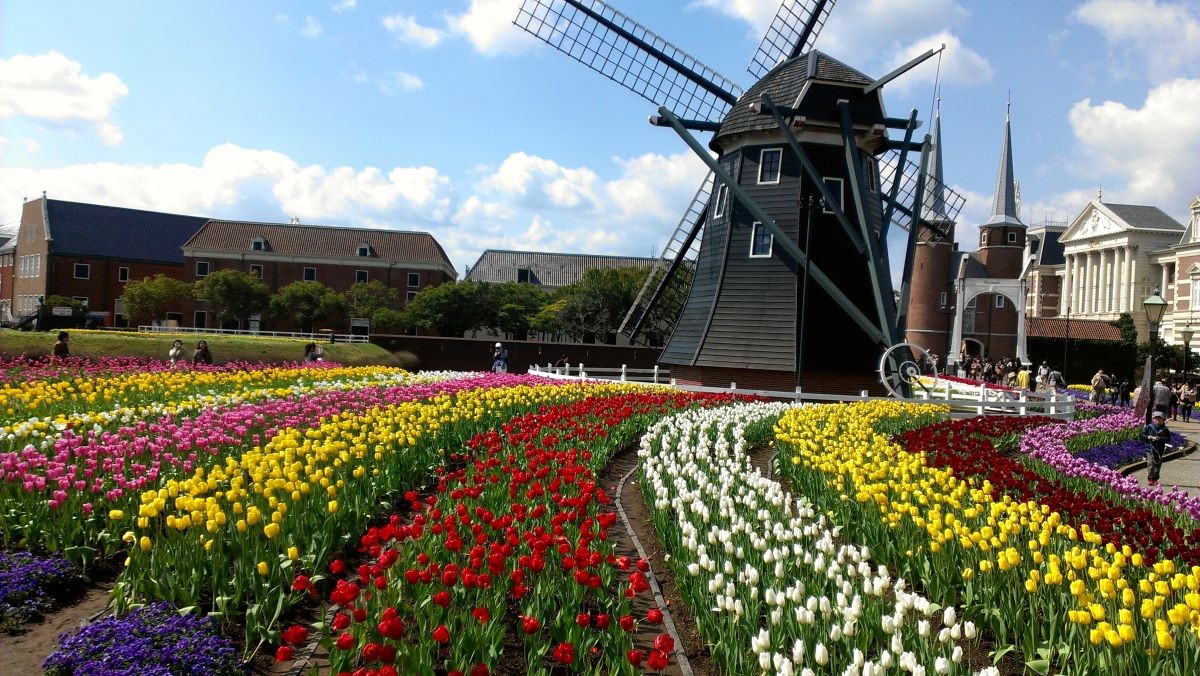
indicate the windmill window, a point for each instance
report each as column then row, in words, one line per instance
column 122, row 274
column 82, row 271
column 360, row 276
column 721, row 201
column 835, row 186
column 769, row 161
column 201, row 268
column 999, row 301
column 762, row 242
column 983, row 238
column 414, row 280
column 256, row 271
column 1012, row 237
column 310, row 274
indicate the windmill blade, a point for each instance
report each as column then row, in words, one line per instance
column 792, row 32
column 941, row 203
column 629, row 54
column 660, row 302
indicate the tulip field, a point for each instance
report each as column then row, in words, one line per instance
column 371, row 521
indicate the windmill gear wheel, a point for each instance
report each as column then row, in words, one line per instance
column 903, row 367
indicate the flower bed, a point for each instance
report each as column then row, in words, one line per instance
column 29, row 584
column 1065, row 578
column 515, row 542
column 775, row 585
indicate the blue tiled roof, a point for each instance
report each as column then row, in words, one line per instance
column 98, row 231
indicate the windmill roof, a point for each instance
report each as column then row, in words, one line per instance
column 99, row 231
column 547, row 269
column 783, row 84
column 321, row 240
column 1081, row 329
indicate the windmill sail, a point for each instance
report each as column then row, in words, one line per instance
column 792, row 32
column 631, row 55
column 656, row 310
column 948, row 204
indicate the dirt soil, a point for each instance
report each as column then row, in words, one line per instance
column 24, row 653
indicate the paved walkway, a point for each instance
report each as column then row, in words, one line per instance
column 1182, row 471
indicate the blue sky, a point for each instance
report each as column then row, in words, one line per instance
column 442, row 117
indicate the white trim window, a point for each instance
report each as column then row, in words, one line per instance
column 971, row 303
column 836, row 186
column 770, row 166
column 364, row 250
column 1195, row 298
column 999, row 302
column 202, row 268
column 83, row 271
column 762, row 242
column 943, row 298
column 122, row 274
column 721, row 203
column 360, row 276
column 414, row 280
column 256, row 270
column 258, row 244
column 1012, row 238
column 983, row 238
column 310, row 274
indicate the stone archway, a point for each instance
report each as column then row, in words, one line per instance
column 1012, row 289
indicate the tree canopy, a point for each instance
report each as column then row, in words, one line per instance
column 236, row 295
column 451, row 309
column 147, row 299
column 309, row 303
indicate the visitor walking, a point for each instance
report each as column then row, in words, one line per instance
column 1099, row 386
column 1187, row 400
column 1156, row 435
column 1161, row 396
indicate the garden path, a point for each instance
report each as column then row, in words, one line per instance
column 1182, row 471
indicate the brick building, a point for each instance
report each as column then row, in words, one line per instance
column 7, row 246
column 88, row 252
column 550, row 271
column 280, row 254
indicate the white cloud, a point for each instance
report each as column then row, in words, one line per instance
column 758, row 13
column 1152, row 153
column 1146, row 38
column 390, row 83
column 475, row 211
column 343, row 5
column 960, row 64
column 407, row 30
column 232, row 180
column 488, row 24
column 50, row 88
column 311, row 28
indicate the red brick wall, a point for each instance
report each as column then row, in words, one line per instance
column 103, row 287
column 929, row 324
column 31, row 240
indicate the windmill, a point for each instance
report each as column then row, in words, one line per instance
column 778, row 272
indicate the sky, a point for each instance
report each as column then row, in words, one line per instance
column 445, row 118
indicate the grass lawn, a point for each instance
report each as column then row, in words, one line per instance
column 156, row 345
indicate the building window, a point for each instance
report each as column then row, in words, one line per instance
column 761, row 241
column 414, row 280
column 1012, row 238
column 971, row 304
column 411, row 295
column 360, row 276
column 364, row 250
column 83, row 271
column 983, row 238
column 943, row 298
column 200, row 319
column 83, row 300
column 258, row 244
column 836, row 187
column 721, row 201
column 524, row 275
column 201, row 268
column 768, row 165
column 999, row 301
column 122, row 274
column 1195, row 292
column 310, row 274
column 256, row 270
column 869, row 171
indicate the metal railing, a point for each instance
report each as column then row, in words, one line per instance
column 317, row 336
column 987, row 402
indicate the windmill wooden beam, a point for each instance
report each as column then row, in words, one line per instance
column 909, row 128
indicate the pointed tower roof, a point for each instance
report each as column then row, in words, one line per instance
column 1004, row 208
column 934, row 204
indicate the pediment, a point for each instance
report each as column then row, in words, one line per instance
column 1093, row 222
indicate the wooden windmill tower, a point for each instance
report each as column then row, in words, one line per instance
column 778, row 274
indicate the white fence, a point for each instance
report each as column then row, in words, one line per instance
column 986, row 402
column 317, row 337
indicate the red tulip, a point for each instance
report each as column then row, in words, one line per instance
column 583, row 619
column 337, row 567
column 301, row 583
column 481, row 614
column 346, row 641
column 340, row 621
column 626, row 622
column 391, row 628
column 654, row 616
column 602, row 621
column 441, row 634
column 657, row 661
column 564, row 653
column 530, row 625
column 294, row 634
column 664, row 642
column 284, row 653
column 442, row 599
column 635, row 657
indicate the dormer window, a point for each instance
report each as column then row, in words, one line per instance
column 258, row 244
column 364, row 250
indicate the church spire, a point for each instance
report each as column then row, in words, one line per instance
column 1004, row 208
column 934, row 204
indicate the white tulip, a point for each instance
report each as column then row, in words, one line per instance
column 948, row 616
column 821, row 654
column 941, row 665
column 798, row 651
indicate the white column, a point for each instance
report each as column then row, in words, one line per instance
column 1090, row 293
column 1122, row 278
column 1105, row 276
column 1131, row 297
column 1077, row 292
column 1083, row 284
column 1110, row 287
column 1064, row 286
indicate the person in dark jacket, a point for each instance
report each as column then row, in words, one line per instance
column 61, row 348
column 1156, row 435
column 202, row 355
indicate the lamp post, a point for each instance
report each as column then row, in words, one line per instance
column 1186, row 334
column 1155, row 308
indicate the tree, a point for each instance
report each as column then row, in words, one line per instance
column 451, row 309
column 308, row 303
column 516, row 305
column 387, row 320
column 1125, row 324
column 364, row 299
column 597, row 304
column 547, row 320
column 148, row 299
column 235, row 294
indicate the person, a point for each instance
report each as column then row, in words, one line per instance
column 1099, row 386
column 1161, row 396
column 1044, row 371
column 1056, row 380
column 202, row 355
column 562, row 362
column 1156, row 435
column 499, row 359
column 1023, row 378
column 61, row 348
column 1125, row 391
column 1187, row 399
column 313, row 352
column 177, row 353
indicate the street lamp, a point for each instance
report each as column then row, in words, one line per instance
column 1186, row 333
column 1155, row 308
